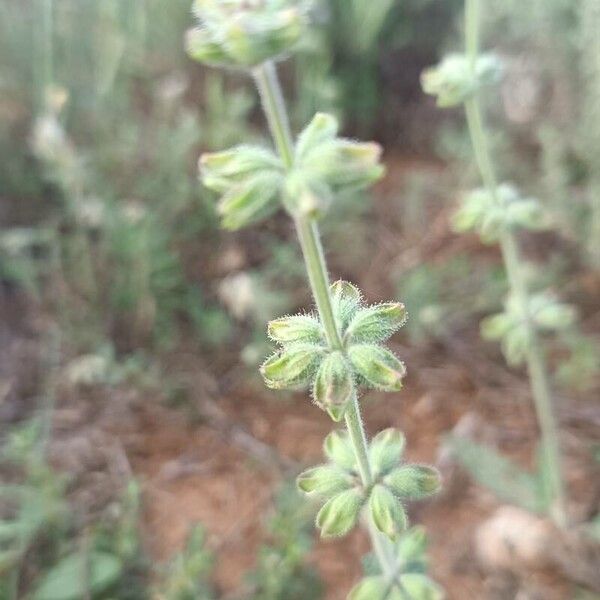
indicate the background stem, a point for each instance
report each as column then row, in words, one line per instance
column 308, row 233
column 536, row 364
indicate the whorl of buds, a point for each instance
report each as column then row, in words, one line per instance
column 249, row 179
column 245, row 33
column 326, row 165
column 491, row 214
column 338, row 484
column 513, row 327
column 305, row 359
column 410, row 585
column 457, row 78
column 253, row 182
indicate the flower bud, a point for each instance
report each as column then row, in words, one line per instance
column 340, row 513
column 549, row 314
column 245, row 34
column 334, row 386
column 338, row 448
column 456, row 79
column 490, row 214
column 527, row 213
column 249, row 202
column 345, row 300
column 323, row 128
column 516, row 343
column 371, row 588
column 333, row 165
column 324, row 480
column 356, row 165
column 296, row 329
column 201, row 47
column 378, row 366
column 387, row 512
column 412, row 546
column 385, row 450
column 305, row 197
column 420, row 587
column 414, row 482
column 376, row 323
column 221, row 170
column 496, row 326
column 293, row 367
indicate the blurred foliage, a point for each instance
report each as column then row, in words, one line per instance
column 187, row 576
column 45, row 548
column 282, row 572
column 351, row 61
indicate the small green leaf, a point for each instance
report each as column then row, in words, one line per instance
column 67, row 580
column 414, row 482
column 292, row 367
column 340, row 513
column 334, row 386
column 386, row 450
column 378, row 366
column 324, row 480
column 296, row 329
column 338, row 448
column 376, row 323
column 387, row 512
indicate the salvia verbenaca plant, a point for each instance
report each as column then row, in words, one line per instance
column 497, row 212
column 338, row 350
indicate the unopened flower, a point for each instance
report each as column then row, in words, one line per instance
column 245, row 33
column 456, row 78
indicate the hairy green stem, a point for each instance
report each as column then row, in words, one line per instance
column 308, row 234
column 536, row 364
column 275, row 111
column 273, row 104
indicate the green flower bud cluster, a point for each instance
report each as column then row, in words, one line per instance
column 416, row 586
column 249, row 179
column 306, row 359
column 326, row 165
column 409, row 552
column 513, row 327
column 457, row 78
column 252, row 180
column 339, row 485
column 492, row 214
column 245, row 33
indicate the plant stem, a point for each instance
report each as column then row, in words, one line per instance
column 536, row 364
column 540, row 387
column 308, row 233
column 274, row 108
